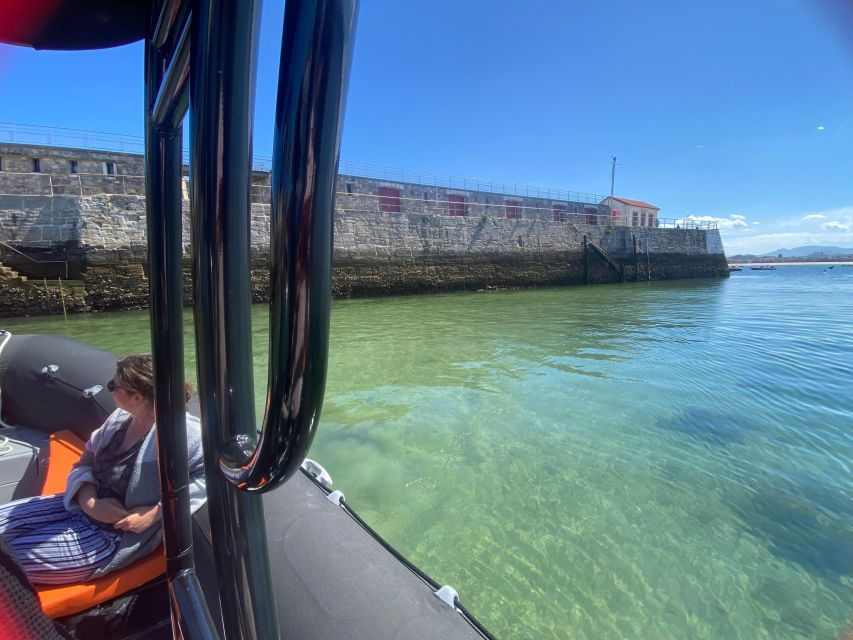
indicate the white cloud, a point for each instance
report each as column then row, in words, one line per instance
column 790, row 229
column 820, row 127
column 845, row 214
column 700, row 146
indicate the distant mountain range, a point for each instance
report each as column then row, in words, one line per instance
column 807, row 250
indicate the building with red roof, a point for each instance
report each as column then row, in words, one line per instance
column 631, row 213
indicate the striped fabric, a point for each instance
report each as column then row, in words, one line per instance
column 54, row 545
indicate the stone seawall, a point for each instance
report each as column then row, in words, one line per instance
column 378, row 254
column 98, row 242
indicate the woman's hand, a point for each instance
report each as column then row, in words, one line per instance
column 108, row 510
column 139, row 519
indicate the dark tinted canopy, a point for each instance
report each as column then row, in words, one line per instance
column 73, row 24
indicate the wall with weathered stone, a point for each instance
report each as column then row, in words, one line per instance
column 103, row 238
column 378, row 253
column 15, row 157
column 91, row 229
column 33, row 298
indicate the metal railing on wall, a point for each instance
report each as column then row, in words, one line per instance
column 134, row 184
column 686, row 223
column 77, row 183
column 434, row 179
column 470, row 209
column 517, row 211
column 471, row 212
column 34, row 260
column 125, row 143
column 392, row 204
column 66, row 137
column 92, row 140
column 89, row 183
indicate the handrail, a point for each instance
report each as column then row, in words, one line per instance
column 102, row 141
column 10, row 247
column 662, row 223
column 223, row 60
column 687, row 223
column 14, row 130
column 191, row 619
column 315, row 61
column 71, row 175
column 41, row 135
column 114, row 178
column 464, row 183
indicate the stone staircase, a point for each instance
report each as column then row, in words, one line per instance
column 610, row 261
column 8, row 273
column 69, row 287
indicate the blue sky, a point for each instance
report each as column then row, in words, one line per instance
column 734, row 110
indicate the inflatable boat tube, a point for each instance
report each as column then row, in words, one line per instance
column 51, row 383
column 334, row 577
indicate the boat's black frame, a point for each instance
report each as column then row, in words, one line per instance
column 201, row 56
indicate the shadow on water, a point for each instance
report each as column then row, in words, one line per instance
column 708, row 426
column 802, row 519
column 808, row 523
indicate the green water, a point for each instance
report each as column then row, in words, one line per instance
column 667, row 460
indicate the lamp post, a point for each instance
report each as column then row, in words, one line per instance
column 612, row 174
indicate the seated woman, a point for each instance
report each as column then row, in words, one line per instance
column 109, row 515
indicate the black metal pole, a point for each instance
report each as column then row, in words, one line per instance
column 648, row 261
column 585, row 260
column 163, row 203
column 170, row 104
column 636, row 260
column 315, row 60
column 222, row 84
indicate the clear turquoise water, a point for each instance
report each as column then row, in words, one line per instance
column 665, row 460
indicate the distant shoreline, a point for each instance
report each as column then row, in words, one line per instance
column 788, row 264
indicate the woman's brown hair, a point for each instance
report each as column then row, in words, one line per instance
column 136, row 375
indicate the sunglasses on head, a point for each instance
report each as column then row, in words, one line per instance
column 111, row 386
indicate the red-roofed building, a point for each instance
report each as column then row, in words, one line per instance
column 631, row 213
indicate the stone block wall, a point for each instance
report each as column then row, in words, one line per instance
column 28, row 299
column 386, row 253
column 18, row 158
column 357, row 194
column 92, row 228
column 77, row 184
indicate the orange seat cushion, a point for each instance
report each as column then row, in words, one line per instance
column 65, row 449
column 64, row 600
column 57, row 601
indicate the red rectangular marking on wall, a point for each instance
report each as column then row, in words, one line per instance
column 558, row 212
column 456, row 205
column 389, row 200
column 513, row 209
